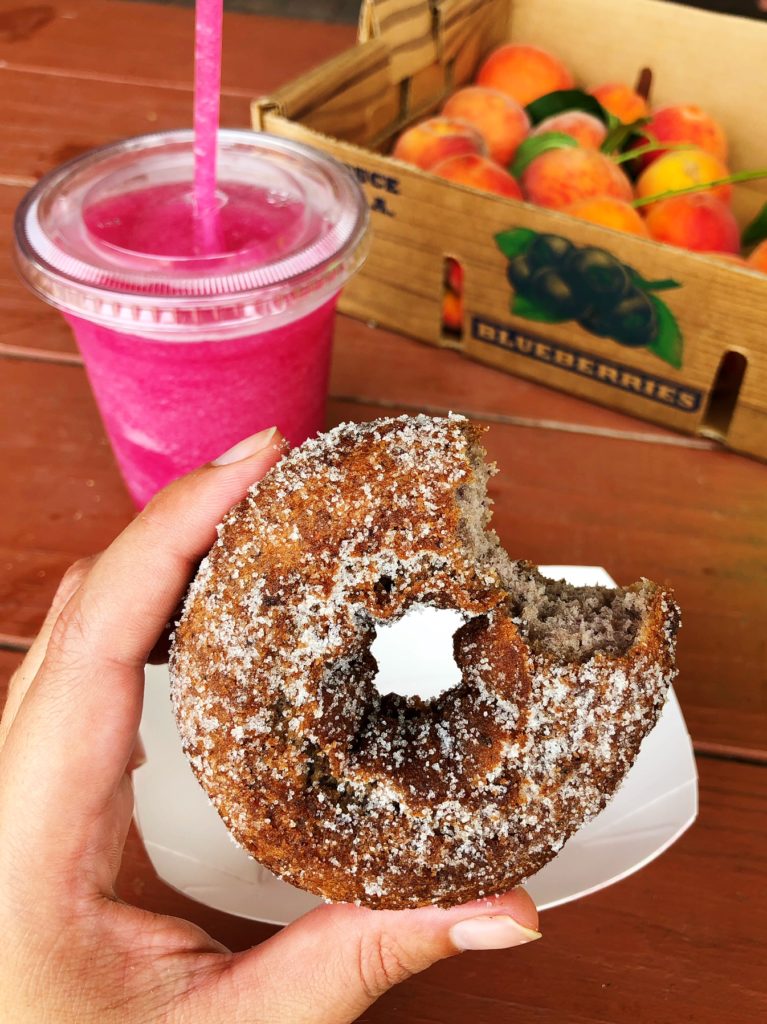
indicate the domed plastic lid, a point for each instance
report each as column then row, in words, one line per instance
column 111, row 237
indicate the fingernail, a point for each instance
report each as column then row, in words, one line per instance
column 245, row 448
column 491, row 933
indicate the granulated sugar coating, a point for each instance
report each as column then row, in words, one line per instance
column 388, row 800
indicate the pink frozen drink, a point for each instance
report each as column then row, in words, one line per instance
column 190, row 347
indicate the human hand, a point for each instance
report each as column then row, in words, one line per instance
column 71, row 951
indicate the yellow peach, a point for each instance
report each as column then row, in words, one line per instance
column 682, row 169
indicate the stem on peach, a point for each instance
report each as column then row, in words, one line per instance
column 650, row 147
column 702, row 187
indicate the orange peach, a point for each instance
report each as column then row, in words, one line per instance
column 587, row 130
column 454, row 275
column 479, row 172
column 524, row 72
column 452, row 311
column 429, row 142
column 698, row 221
column 499, row 119
column 610, row 213
column 758, row 258
column 682, row 169
column 685, row 123
column 560, row 177
column 621, row 101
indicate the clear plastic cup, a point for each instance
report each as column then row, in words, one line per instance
column 192, row 343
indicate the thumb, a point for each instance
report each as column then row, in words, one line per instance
column 330, row 965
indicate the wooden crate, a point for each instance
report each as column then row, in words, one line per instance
column 411, row 54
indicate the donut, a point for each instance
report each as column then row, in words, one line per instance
column 386, row 800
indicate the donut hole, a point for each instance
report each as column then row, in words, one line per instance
column 414, row 654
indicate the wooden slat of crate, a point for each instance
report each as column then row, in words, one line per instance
column 380, row 368
column 426, row 91
column 468, row 30
column 407, row 27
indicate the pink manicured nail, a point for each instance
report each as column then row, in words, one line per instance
column 247, row 447
column 491, row 933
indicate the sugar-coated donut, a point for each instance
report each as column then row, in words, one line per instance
column 388, row 800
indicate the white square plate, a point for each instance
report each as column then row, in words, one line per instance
column 191, row 849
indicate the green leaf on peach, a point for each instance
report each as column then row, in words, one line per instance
column 619, row 134
column 534, row 145
column 565, row 99
column 756, row 230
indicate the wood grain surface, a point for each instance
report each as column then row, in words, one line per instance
column 683, row 940
column 150, row 44
column 565, row 493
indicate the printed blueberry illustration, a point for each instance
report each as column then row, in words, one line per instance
column 555, row 281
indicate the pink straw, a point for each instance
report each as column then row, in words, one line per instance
column 207, row 91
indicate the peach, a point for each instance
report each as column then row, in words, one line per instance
column 681, row 169
column 524, row 72
column 431, row 141
column 698, row 221
column 610, row 213
column 452, row 311
column 684, row 122
column 499, row 119
column 587, row 130
column 621, row 101
column 758, row 258
column 454, row 275
column 479, row 172
column 560, row 177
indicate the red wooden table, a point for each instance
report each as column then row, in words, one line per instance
column 684, row 940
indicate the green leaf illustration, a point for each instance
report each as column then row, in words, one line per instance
column 534, row 145
column 664, row 285
column 531, row 310
column 565, row 99
column 756, row 231
column 669, row 344
column 513, row 242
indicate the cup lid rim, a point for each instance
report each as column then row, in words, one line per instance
column 70, row 283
